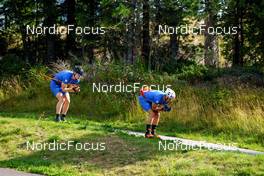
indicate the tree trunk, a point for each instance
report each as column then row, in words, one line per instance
column 211, row 50
column 146, row 37
column 35, row 38
column 238, row 41
column 174, row 46
column 70, row 42
column 130, row 56
column 155, row 54
column 50, row 11
column 91, row 21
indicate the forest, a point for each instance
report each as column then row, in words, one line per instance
column 223, row 33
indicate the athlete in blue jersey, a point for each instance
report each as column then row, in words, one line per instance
column 61, row 84
column 154, row 101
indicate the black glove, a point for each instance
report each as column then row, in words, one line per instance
column 166, row 108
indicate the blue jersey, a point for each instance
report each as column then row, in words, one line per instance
column 155, row 96
column 62, row 77
column 65, row 76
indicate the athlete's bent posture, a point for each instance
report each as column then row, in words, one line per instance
column 154, row 101
column 61, row 84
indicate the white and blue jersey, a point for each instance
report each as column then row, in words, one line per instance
column 152, row 96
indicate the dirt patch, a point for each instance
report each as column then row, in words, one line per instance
column 117, row 153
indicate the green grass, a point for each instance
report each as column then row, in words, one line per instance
column 253, row 142
column 214, row 108
column 124, row 155
column 228, row 105
column 221, row 110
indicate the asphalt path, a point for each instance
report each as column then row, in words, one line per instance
column 192, row 144
column 13, row 172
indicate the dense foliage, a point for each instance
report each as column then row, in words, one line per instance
column 130, row 32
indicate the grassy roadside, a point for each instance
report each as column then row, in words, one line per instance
column 234, row 139
column 124, row 155
column 224, row 100
column 242, row 128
